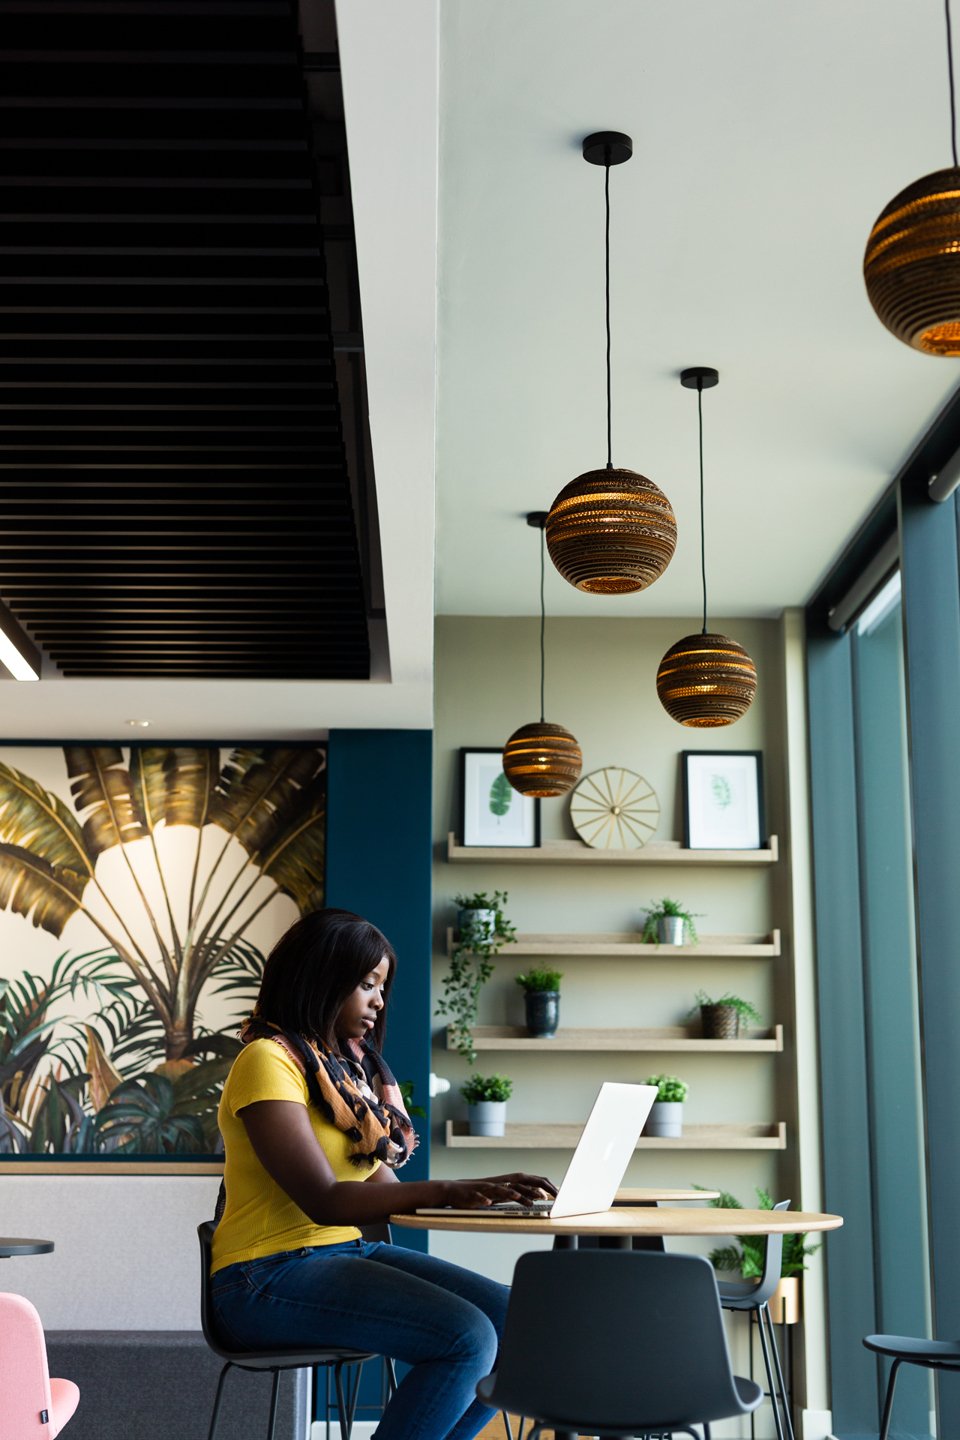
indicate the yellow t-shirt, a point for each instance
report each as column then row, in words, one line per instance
column 260, row 1218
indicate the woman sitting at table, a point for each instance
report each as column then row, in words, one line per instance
column 314, row 1131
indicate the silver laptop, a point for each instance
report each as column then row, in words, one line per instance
column 597, row 1165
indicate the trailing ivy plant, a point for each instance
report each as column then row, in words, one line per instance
column 471, row 965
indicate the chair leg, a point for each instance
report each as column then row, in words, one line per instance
column 768, row 1366
column 216, row 1404
column 391, row 1374
column 764, row 1316
column 343, row 1410
column 888, row 1400
column 274, row 1397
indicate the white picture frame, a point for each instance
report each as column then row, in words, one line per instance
column 723, row 799
column 494, row 815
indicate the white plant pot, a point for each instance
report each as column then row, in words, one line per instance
column 670, row 929
column 476, row 924
column 665, row 1119
column 487, row 1117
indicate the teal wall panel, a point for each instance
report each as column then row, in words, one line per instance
column 379, row 854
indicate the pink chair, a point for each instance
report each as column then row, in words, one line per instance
column 31, row 1404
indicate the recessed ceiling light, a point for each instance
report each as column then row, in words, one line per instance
column 139, row 724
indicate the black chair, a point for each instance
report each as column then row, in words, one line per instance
column 624, row 1343
column 905, row 1350
column 754, row 1296
column 276, row 1360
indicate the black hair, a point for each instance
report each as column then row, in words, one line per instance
column 313, row 969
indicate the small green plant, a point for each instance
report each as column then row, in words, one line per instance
column 670, row 1089
column 536, row 982
column 406, row 1090
column 471, row 965
column 747, row 1011
column 748, row 1254
column 486, row 1087
column 666, row 909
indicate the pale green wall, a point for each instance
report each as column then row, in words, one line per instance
column 601, row 685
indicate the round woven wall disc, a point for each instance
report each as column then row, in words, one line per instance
column 614, row 809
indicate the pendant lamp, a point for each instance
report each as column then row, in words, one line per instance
column 912, row 261
column 542, row 759
column 705, row 680
column 610, row 531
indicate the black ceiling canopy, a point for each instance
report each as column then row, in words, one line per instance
column 174, row 493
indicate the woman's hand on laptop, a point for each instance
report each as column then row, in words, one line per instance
column 493, row 1189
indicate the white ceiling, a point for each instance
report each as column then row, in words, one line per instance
column 767, row 137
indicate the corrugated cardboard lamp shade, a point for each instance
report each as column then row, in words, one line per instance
column 611, row 532
column 706, row 680
column 542, row 760
column 912, row 264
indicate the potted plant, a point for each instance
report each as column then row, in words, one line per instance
column 745, row 1257
column 726, row 1017
column 486, row 1097
column 666, row 1113
column 669, row 923
column 541, row 993
column 482, row 931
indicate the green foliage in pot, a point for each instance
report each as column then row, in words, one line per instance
column 746, row 1257
column 486, row 1087
column 670, row 1089
column 667, row 909
column 747, row 1011
column 471, row 965
column 536, row 982
column 406, row 1090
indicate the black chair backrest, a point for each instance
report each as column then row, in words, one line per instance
column 207, row 1322
column 620, row 1339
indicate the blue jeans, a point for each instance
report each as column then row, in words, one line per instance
column 443, row 1321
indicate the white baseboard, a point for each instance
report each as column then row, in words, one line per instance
column 816, row 1424
column 362, row 1430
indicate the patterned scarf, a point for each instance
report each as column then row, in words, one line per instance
column 356, row 1092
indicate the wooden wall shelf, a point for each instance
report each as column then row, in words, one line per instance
column 631, row 947
column 574, row 852
column 565, row 1137
column 659, row 1041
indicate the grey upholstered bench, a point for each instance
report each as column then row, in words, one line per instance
column 151, row 1384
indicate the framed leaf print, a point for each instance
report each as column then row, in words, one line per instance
column 141, row 888
column 493, row 813
column 722, row 799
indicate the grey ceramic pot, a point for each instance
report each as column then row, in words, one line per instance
column 487, row 1117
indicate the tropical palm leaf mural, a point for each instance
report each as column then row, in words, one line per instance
column 153, row 879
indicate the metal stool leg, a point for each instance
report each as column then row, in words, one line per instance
column 343, row 1410
column 216, row 1403
column 764, row 1317
column 888, row 1400
column 767, row 1365
column 274, row 1397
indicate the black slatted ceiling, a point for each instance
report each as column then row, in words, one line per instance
column 174, row 499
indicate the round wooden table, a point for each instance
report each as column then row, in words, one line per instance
column 10, row 1246
column 661, row 1195
column 626, row 1221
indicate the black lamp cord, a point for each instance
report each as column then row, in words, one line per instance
column 703, row 528
column 542, row 620
column 606, row 194
column 953, row 96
